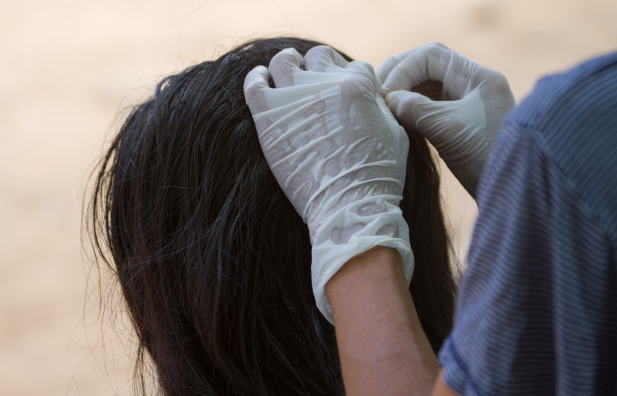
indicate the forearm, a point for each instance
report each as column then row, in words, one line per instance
column 382, row 346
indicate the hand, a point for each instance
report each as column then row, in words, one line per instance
column 463, row 122
column 337, row 152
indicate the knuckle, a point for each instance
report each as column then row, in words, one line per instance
column 251, row 90
column 499, row 80
column 434, row 49
column 357, row 84
column 252, row 84
column 284, row 58
column 321, row 57
column 438, row 44
column 319, row 52
column 362, row 65
column 363, row 76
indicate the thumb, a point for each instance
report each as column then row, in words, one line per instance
column 409, row 108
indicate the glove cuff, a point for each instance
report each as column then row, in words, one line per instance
column 332, row 248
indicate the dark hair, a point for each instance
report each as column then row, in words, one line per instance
column 213, row 260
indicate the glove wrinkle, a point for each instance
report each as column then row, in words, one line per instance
column 463, row 123
column 337, row 152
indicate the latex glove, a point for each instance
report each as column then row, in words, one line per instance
column 337, row 152
column 463, row 122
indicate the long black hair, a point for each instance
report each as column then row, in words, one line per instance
column 213, row 260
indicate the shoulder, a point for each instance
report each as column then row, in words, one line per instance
column 580, row 88
column 572, row 118
column 539, row 293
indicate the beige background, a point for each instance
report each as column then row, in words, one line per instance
column 68, row 67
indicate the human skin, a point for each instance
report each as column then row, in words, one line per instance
column 382, row 347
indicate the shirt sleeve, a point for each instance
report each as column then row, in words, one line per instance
column 537, row 301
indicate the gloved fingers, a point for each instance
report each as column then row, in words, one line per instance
column 255, row 86
column 284, row 66
column 386, row 67
column 365, row 71
column 389, row 64
column 412, row 67
column 381, row 102
column 409, row 108
column 322, row 57
column 374, row 85
column 492, row 82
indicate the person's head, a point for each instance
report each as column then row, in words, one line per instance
column 213, row 260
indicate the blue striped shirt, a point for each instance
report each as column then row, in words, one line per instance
column 537, row 307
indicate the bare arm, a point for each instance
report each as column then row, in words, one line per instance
column 382, row 347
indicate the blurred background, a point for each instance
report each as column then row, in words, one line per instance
column 67, row 68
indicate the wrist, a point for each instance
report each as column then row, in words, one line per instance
column 332, row 249
column 378, row 332
column 369, row 273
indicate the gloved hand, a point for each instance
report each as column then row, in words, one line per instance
column 338, row 154
column 464, row 121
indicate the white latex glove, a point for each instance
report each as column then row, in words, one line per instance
column 463, row 122
column 338, row 154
